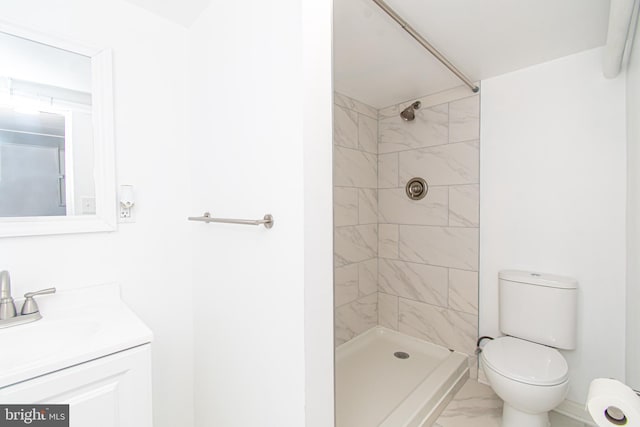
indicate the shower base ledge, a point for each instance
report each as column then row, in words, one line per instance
column 376, row 388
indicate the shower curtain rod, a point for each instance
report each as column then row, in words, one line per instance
column 440, row 57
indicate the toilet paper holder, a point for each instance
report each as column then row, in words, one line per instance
column 615, row 415
column 612, row 403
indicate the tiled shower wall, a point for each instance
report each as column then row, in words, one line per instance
column 426, row 255
column 428, row 249
column 355, row 217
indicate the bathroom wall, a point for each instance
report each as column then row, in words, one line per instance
column 260, row 135
column 355, row 195
column 633, row 216
column 149, row 258
column 428, row 249
column 553, row 198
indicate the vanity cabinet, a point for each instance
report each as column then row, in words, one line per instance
column 110, row 391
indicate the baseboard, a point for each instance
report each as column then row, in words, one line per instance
column 576, row 411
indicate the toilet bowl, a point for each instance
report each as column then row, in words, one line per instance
column 530, row 378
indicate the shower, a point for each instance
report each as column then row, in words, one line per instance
column 408, row 113
column 404, row 258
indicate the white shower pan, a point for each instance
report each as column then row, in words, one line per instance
column 377, row 385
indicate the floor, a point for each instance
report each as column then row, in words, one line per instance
column 477, row 405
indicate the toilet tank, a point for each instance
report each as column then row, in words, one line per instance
column 539, row 307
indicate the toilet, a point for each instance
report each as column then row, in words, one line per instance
column 537, row 316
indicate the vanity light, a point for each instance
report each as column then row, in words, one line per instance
column 127, row 201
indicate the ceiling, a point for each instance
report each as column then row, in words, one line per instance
column 378, row 63
column 183, row 12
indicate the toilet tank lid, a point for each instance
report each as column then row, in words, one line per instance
column 540, row 279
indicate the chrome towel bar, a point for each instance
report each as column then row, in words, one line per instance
column 267, row 221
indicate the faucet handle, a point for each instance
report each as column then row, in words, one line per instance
column 30, row 306
column 40, row 292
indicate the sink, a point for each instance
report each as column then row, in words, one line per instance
column 76, row 326
column 44, row 339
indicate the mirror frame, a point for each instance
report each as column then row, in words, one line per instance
column 105, row 218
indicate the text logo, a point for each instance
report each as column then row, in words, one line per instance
column 34, row 415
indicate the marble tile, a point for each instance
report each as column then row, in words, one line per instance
column 473, row 367
column 441, row 246
column 345, row 206
column 388, row 170
column 443, row 165
column 395, row 110
column 356, row 317
column 368, row 277
column 443, row 97
column 463, row 291
column 345, row 284
column 388, row 241
column 449, row 328
column 475, row 405
column 367, row 206
column 464, row 119
column 418, row 282
column 388, row 311
column 395, row 207
column 482, row 376
column 559, row 420
column 355, row 243
column 430, row 127
column 464, row 205
column 354, row 105
column 345, row 127
column 367, row 134
column 354, row 168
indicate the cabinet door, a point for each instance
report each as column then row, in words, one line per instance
column 112, row 391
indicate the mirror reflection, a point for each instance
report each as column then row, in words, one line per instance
column 46, row 135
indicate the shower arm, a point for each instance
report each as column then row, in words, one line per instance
column 413, row 33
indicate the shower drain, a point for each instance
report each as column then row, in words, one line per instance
column 401, row 355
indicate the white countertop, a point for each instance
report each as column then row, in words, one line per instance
column 76, row 326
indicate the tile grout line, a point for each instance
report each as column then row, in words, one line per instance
column 425, row 147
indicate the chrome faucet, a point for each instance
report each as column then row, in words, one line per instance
column 7, row 306
column 30, row 311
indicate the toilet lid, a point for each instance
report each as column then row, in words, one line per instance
column 525, row 361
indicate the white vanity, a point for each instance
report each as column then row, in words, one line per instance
column 89, row 351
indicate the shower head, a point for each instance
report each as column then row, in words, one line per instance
column 408, row 113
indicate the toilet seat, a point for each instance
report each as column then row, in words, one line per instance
column 525, row 361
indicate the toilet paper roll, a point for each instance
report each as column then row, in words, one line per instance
column 612, row 403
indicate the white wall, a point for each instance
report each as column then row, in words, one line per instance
column 553, row 198
column 261, row 143
column 150, row 258
column 633, row 215
column 317, row 93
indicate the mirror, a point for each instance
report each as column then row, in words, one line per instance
column 56, row 136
